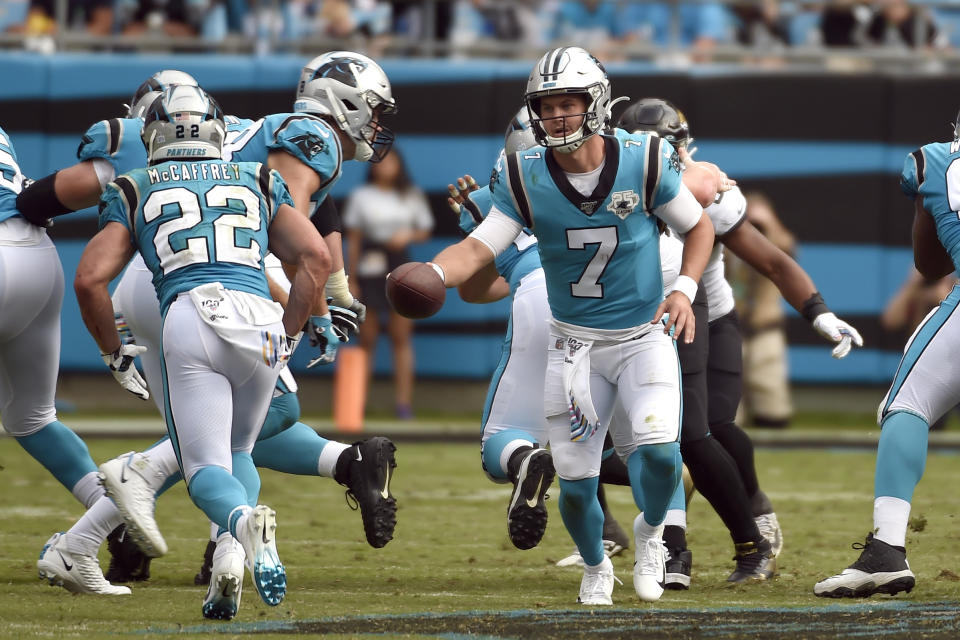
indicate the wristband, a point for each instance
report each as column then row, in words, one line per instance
column 338, row 289
column 439, row 271
column 813, row 307
column 687, row 286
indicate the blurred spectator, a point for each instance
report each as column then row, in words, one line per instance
column 896, row 23
column 761, row 24
column 518, row 22
column 592, row 24
column 766, row 389
column 174, row 18
column 911, row 304
column 699, row 26
column 414, row 20
column 370, row 20
column 843, row 23
column 95, row 16
column 381, row 219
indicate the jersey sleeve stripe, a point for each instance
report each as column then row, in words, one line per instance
column 116, row 134
column 735, row 225
column 518, row 190
column 266, row 182
column 919, row 158
column 652, row 169
column 129, row 192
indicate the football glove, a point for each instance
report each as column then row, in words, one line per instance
column 345, row 321
column 360, row 309
column 836, row 330
column 287, row 346
column 322, row 335
column 122, row 367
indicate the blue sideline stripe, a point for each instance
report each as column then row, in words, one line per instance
column 815, row 364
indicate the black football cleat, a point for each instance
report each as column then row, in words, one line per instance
column 678, row 568
column 368, row 488
column 755, row 563
column 203, row 576
column 881, row 568
column 127, row 562
column 527, row 514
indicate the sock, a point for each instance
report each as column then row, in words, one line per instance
column 283, row 413
column 88, row 490
column 215, row 531
column 217, row 493
column 246, row 472
column 613, row 470
column 890, row 517
column 738, row 444
column 295, row 450
column 716, row 477
column 498, row 450
column 760, row 503
column 654, row 474
column 93, row 527
column 169, row 482
column 674, row 537
column 901, row 455
column 583, row 517
column 163, row 460
column 341, row 472
column 235, row 520
column 516, row 459
column 329, row 457
column 62, row 452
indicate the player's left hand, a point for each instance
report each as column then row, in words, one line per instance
column 344, row 321
column 358, row 308
column 122, row 367
column 320, row 331
column 836, row 330
column 680, row 316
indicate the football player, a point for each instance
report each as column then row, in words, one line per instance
column 111, row 147
column 30, row 342
column 592, row 201
column 925, row 386
column 203, row 228
column 718, row 453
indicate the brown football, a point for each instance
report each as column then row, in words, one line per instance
column 415, row 290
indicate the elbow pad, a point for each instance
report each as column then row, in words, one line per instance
column 38, row 202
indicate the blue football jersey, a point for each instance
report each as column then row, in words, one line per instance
column 933, row 173
column 117, row 141
column 600, row 253
column 305, row 137
column 520, row 258
column 198, row 222
column 11, row 178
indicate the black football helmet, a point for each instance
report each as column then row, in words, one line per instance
column 657, row 115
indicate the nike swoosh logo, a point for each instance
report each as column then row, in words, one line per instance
column 123, row 474
column 359, row 456
column 264, row 536
column 385, row 492
column 66, row 565
column 532, row 502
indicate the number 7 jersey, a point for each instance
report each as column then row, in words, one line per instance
column 198, row 222
column 601, row 252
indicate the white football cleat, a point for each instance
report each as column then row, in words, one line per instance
column 226, row 580
column 649, row 568
column 596, row 587
column 74, row 572
column 257, row 533
column 769, row 528
column 125, row 481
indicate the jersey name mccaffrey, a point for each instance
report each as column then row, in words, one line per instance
column 195, row 171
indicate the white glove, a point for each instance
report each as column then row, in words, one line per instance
column 122, row 367
column 836, row 330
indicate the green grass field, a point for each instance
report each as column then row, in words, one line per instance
column 451, row 554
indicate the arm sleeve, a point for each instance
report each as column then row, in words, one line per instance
column 326, row 218
column 681, row 213
column 913, row 172
column 497, row 231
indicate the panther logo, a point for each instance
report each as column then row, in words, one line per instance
column 622, row 203
column 342, row 70
column 310, row 144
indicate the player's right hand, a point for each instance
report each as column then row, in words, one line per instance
column 322, row 335
column 459, row 201
column 680, row 316
column 122, row 367
column 358, row 308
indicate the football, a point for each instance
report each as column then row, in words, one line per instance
column 415, row 290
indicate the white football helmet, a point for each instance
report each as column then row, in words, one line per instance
column 355, row 92
column 569, row 70
column 519, row 135
column 153, row 87
column 183, row 123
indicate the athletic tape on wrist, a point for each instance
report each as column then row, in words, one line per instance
column 687, row 286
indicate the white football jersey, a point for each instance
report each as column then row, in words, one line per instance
column 727, row 213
